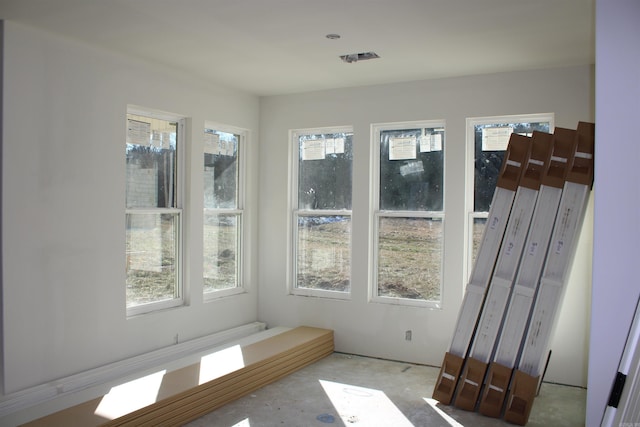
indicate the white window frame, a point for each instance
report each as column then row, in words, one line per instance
column 294, row 212
column 239, row 211
column 181, row 140
column 471, row 123
column 376, row 213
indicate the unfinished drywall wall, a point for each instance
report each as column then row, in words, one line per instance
column 63, row 189
column 379, row 329
column 63, row 173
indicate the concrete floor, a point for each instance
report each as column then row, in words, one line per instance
column 346, row 390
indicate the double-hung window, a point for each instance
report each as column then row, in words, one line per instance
column 223, row 210
column 321, row 211
column 408, row 215
column 153, row 211
column 487, row 140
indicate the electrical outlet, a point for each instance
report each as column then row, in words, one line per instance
column 407, row 335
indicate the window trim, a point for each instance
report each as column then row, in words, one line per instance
column 240, row 210
column 471, row 215
column 293, row 213
column 181, row 298
column 375, row 213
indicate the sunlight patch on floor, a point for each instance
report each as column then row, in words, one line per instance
column 130, row 396
column 364, row 406
column 220, row 363
column 434, row 404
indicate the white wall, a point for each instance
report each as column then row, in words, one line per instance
column 616, row 286
column 378, row 329
column 63, row 189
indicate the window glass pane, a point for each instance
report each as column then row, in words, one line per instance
column 152, row 214
column 151, row 162
column 411, row 169
column 221, row 251
column 490, row 145
column 220, row 169
column 151, row 248
column 324, row 252
column 324, row 171
column 410, row 258
column 221, row 230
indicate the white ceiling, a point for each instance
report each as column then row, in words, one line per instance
column 269, row 47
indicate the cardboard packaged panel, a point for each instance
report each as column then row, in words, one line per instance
column 529, row 272
column 514, row 163
column 560, row 254
column 505, row 270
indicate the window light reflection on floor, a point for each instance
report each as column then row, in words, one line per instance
column 434, row 404
column 364, row 406
column 141, row 392
column 130, row 396
column 220, row 363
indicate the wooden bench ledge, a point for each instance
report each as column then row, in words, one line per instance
column 181, row 395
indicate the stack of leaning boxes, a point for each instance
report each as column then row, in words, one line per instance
column 498, row 351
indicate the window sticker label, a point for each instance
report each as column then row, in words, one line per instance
column 138, row 133
column 412, row 168
column 334, row 146
column 329, row 146
column 156, row 139
column 430, row 142
column 496, row 138
column 402, row 148
column 211, row 143
column 313, row 149
column 166, row 140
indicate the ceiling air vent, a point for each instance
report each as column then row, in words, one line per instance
column 355, row 57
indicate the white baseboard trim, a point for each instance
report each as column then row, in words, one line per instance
column 32, row 396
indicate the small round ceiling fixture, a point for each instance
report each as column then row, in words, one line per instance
column 333, row 36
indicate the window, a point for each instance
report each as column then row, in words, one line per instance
column 153, row 212
column 408, row 212
column 321, row 211
column 222, row 216
column 487, row 140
